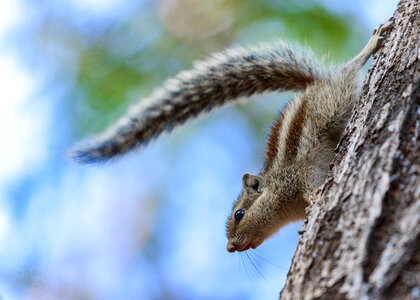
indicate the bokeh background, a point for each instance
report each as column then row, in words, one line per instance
column 151, row 224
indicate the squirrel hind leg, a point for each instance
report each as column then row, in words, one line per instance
column 379, row 35
column 374, row 43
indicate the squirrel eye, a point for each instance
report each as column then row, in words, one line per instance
column 239, row 214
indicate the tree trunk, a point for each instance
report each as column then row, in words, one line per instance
column 361, row 239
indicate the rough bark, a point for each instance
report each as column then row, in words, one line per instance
column 361, row 239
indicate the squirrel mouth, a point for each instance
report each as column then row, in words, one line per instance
column 247, row 247
column 232, row 247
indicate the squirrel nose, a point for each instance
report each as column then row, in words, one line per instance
column 231, row 247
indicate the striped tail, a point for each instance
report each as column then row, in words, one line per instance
column 224, row 77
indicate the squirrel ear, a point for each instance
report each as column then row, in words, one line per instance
column 252, row 182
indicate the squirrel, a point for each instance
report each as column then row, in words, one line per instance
column 300, row 145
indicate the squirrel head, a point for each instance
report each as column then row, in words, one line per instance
column 260, row 210
column 253, row 217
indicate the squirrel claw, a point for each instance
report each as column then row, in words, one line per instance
column 383, row 28
column 380, row 33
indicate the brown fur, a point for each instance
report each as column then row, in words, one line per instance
column 295, row 131
column 272, row 143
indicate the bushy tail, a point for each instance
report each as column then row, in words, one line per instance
column 225, row 76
